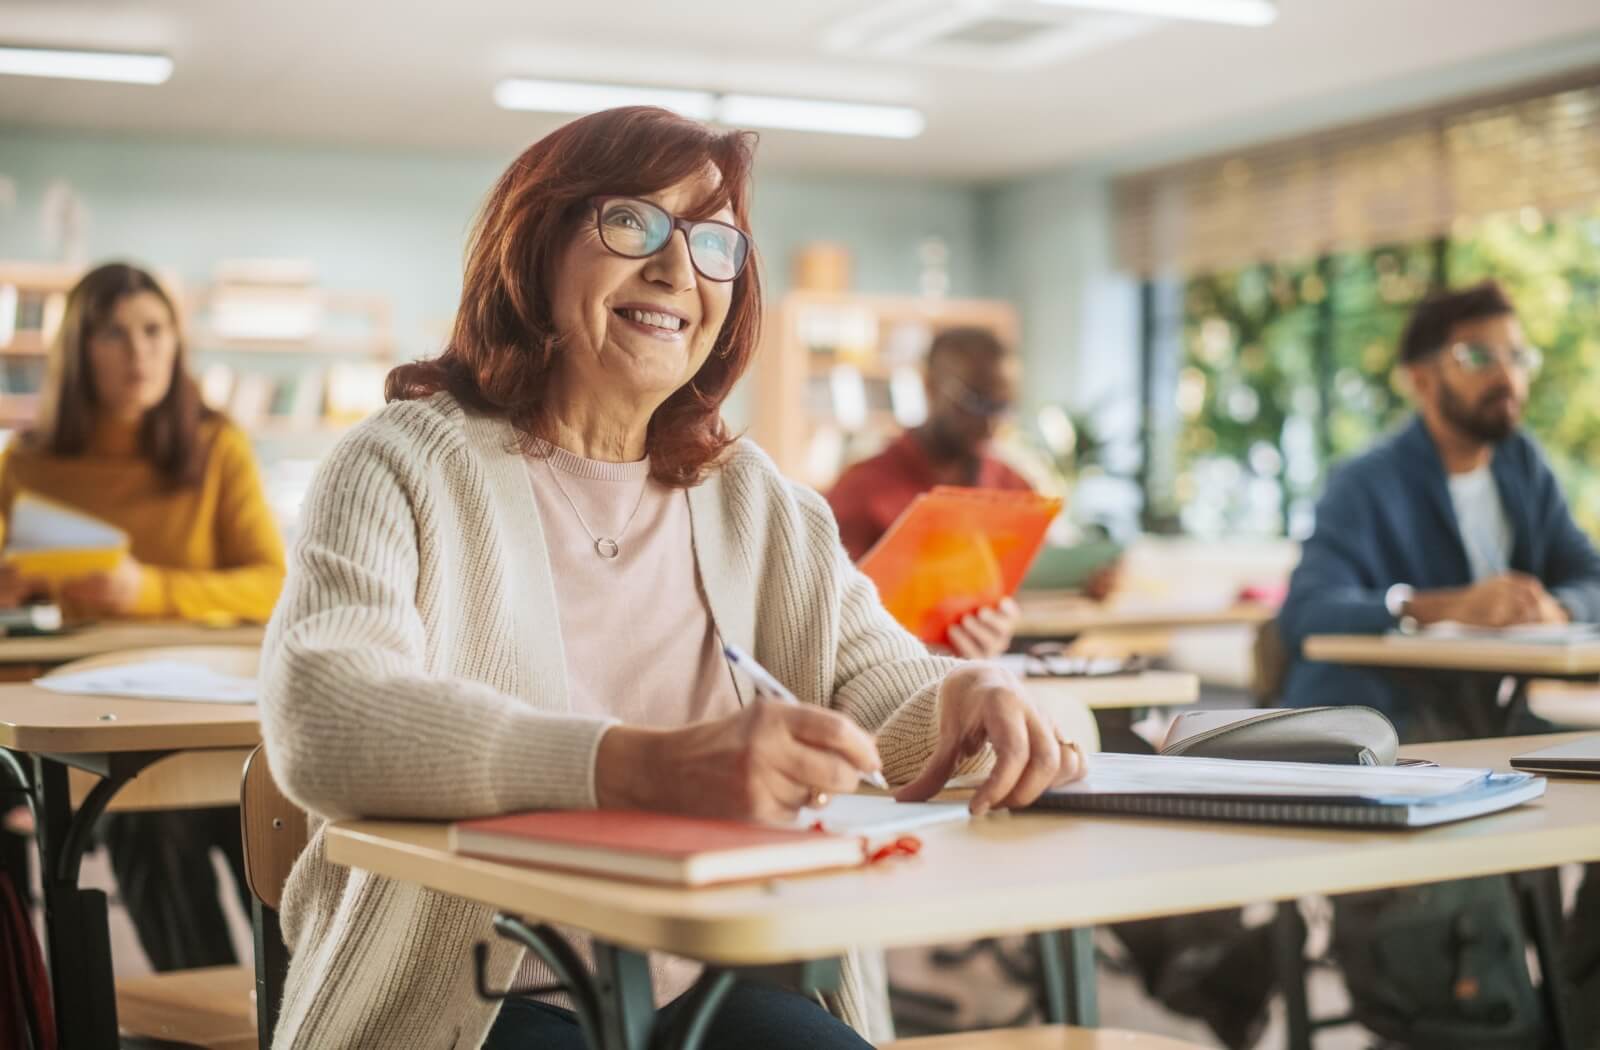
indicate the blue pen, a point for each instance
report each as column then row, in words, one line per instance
column 766, row 685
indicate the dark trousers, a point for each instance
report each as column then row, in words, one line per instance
column 162, row 864
column 752, row 1015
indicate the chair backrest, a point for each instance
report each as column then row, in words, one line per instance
column 1271, row 664
column 275, row 830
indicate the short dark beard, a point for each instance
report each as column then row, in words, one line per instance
column 1475, row 421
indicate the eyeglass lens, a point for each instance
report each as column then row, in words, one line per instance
column 1476, row 357
column 637, row 228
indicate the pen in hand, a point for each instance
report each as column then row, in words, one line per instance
column 766, row 685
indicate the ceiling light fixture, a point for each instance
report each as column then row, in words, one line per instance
column 115, row 66
column 762, row 111
column 569, row 96
column 1232, row 12
column 805, row 114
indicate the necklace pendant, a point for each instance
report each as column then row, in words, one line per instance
column 607, row 548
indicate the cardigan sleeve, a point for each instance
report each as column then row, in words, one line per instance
column 884, row 678
column 354, row 723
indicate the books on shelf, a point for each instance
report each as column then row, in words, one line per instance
column 1289, row 792
column 251, row 400
column 53, row 542
column 354, row 390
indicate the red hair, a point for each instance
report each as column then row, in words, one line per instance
column 502, row 355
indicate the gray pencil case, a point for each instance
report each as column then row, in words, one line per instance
column 1338, row 735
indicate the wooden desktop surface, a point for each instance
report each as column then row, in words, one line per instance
column 1008, row 873
column 1145, row 689
column 93, row 640
column 209, row 741
column 1455, row 654
column 1068, row 614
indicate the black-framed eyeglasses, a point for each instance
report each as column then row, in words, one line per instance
column 1475, row 358
column 636, row 229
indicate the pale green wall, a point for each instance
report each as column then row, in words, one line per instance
column 395, row 222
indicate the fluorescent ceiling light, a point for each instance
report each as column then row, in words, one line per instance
column 565, row 96
column 802, row 114
column 116, row 66
column 1233, row 12
column 761, row 111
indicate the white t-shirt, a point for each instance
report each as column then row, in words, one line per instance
column 1485, row 529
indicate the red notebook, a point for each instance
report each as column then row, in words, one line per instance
column 653, row 847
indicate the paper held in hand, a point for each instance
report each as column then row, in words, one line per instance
column 53, row 542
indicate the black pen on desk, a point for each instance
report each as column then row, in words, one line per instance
column 766, row 685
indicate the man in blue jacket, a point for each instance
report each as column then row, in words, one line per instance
column 1456, row 517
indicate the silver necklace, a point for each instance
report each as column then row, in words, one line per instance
column 605, row 546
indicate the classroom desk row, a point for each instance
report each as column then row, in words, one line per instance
column 1016, row 873
column 82, row 755
column 1007, row 874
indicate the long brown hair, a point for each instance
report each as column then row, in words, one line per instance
column 169, row 433
column 502, row 352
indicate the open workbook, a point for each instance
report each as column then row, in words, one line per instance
column 1290, row 792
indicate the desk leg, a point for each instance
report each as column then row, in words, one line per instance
column 1541, row 896
column 75, row 919
column 1066, row 977
column 1288, row 946
column 616, row 1004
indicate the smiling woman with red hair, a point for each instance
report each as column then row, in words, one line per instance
column 515, row 582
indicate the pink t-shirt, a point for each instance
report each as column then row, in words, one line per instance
column 637, row 630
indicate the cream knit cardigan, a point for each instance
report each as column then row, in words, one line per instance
column 414, row 669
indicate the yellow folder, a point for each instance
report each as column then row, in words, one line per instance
column 53, row 542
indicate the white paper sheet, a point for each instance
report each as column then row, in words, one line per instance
column 156, row 680
column 879, row 818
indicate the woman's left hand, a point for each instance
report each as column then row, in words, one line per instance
column 982, row 704
column 987, row 633
column 111, row 593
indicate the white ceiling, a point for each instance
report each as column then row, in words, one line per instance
column 380, row 72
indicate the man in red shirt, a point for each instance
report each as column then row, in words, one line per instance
column 972, row 382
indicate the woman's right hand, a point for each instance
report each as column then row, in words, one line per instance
column 763, row 763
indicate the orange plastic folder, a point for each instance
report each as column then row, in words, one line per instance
column 955, row 551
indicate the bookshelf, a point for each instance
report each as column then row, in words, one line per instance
column 839, row 374
column 285, row 358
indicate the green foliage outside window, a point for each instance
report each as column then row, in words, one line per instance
column 1288, row 367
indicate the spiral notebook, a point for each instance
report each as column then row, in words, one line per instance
column 1290, row 792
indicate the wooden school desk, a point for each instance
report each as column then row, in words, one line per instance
column 1421, row 654
column 1002, row 875
column 25, row 657
column 1065, row 614
column 166, row 753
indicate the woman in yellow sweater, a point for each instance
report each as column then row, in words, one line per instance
column 123, row 436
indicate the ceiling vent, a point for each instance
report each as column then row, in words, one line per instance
column 984, row 34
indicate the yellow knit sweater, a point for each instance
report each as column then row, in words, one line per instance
column 210, row 552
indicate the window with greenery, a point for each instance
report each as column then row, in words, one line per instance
column 1288, row 367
